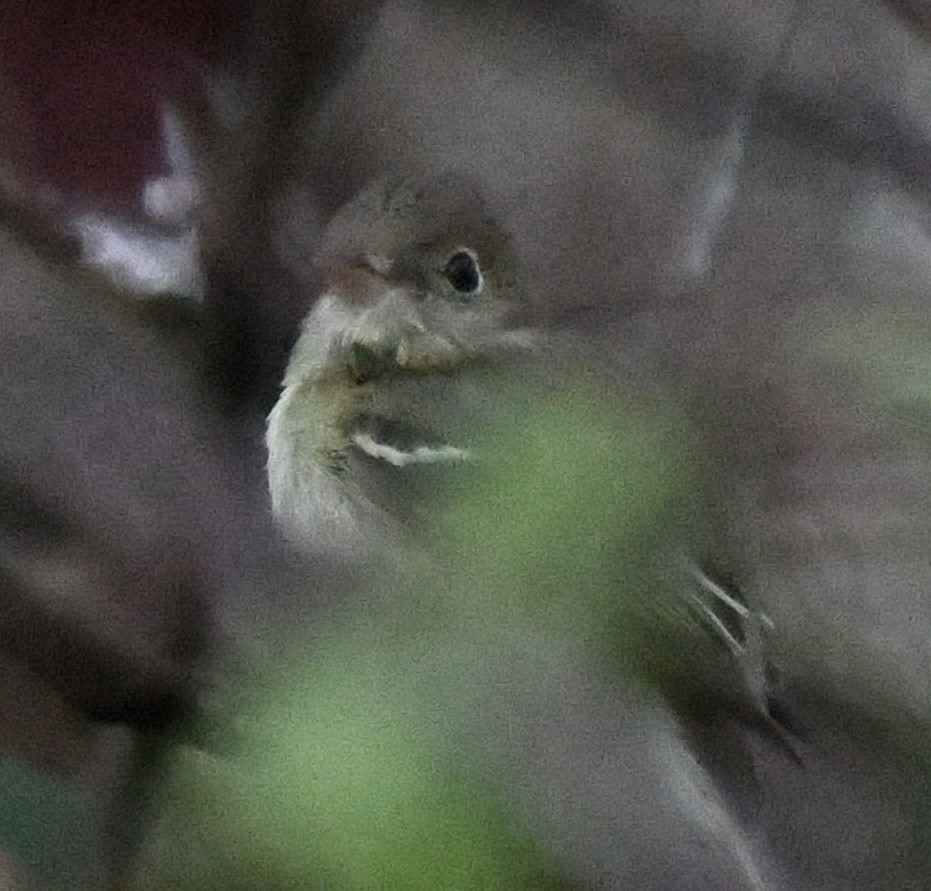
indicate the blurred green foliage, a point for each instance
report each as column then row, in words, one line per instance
column 351, row 775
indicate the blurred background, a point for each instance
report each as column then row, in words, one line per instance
column 728, row 199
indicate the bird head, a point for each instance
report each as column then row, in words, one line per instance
column 419, row 276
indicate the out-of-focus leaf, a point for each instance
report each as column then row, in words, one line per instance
column 571, row 503
column 352, row 775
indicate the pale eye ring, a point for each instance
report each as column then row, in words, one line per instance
column 463, row 273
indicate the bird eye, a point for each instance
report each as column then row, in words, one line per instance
column 462, row 272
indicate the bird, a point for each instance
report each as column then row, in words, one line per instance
column 405, row 366
column 420, row 330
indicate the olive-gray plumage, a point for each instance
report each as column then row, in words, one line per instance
column 420, row 290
